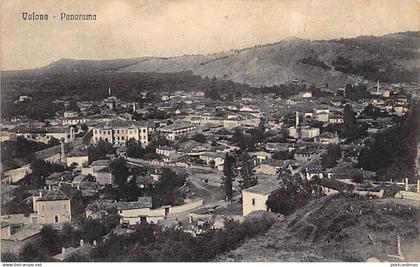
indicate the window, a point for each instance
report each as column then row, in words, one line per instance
column 43, row 207
column 118, row 131
column 144, row 130
column 253, row 202
column 122, row 137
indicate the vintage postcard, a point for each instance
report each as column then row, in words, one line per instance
column 210, row 131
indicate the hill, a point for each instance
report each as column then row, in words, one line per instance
column 337, row 228
column 389, row 58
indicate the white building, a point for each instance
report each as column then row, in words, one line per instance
column 175, row 131
column 119, row 132
column 254, row 198
column 45, row 135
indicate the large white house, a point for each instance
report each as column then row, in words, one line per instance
column 254, row 198
column 175, row 131
column 118, row 132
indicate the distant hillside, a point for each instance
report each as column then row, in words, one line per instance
column 337, row 229
column 389, row 58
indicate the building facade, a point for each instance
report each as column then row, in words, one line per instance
column 175, row 131
column 119, row 132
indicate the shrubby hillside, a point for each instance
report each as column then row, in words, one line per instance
column 337, row 228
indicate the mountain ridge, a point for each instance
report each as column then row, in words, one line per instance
column 313, row 62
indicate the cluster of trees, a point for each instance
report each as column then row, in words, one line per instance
column 392, row 153
column 231, row 171
column 135, row 149
column 282, row 155
column 51, row 240
column 43, row 109
column 41, row 169
column 100, row 150
column 381, row 68
column 294, row 192
column 248, row 141
column 374, row 112
column 22, row 148
column 351, row 130
column 152, row 243
column 329, row 159
column 164, row 192
column 357, row 92
column 200, row 138
column 314, row 60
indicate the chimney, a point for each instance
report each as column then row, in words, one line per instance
column 94, row 243
column 40, row 193
column 49, row 187
column 78, row 187
column 406, row 184
column 82, row 243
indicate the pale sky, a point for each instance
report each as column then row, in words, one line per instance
column 136, row 28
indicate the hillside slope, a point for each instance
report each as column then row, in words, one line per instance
column 337, row 229
column 390, row 58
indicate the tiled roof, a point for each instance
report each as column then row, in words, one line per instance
column 263, row 188
column 335, row 184
column 176, row 126
column 64, row 193
column 120, row 124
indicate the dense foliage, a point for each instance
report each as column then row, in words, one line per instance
column 22, row 148
column 294, row 192
column 392, row 153
column 100, row 150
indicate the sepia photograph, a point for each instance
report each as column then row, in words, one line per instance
column 222, row 131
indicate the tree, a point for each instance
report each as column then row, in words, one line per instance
column 229, row 174
column 244, row 141
column 72, row 106
column 84, row 127
column 100, row 150
column 49, row 239
column 282, row 155
column 134, row 149
column 350, row 124
column 294, row 192
column 329, row 159
column 32, row 253
column 119, row 171
column 198, row 137
column 248, row 179
column 166, row 190
column 213, row 94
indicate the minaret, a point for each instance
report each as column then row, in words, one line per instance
column 62, row 151
column 297, row 119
